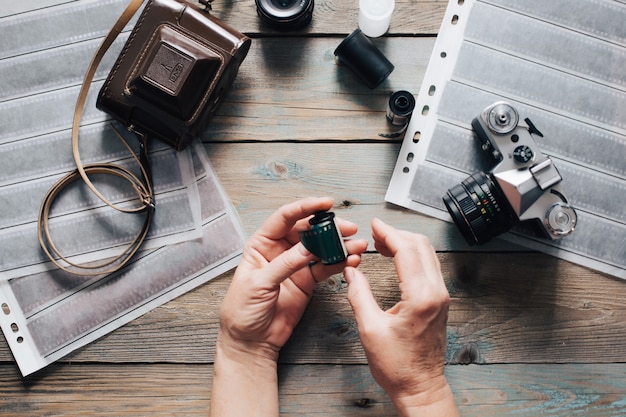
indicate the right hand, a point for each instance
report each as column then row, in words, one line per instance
column 406, row 345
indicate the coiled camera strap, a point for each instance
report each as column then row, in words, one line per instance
column 142, row 186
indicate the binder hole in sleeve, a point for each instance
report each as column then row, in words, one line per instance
column 416, row 136
column 425, row 110
column 5, row 309
column 15, row 328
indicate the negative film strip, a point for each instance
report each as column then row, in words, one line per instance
column 563, row 71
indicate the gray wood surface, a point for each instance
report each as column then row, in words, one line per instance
column 160, row 390
column 528, row 334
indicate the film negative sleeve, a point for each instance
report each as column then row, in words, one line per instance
column 324, row 239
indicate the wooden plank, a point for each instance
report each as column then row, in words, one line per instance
column 299, row 92
column 312, row 390
column 101, row 390
column 506, row 308
column 500, row 390
column 410, row 17
column 518, row 314
column 522, row 308
column 259, row 177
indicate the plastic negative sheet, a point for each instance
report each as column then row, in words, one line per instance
column 45, row 313
column 562, row 64
column 46, row 316
column 40, row 77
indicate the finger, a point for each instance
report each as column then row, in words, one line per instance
column 282, row 221
column 380, row 233
column 307, row 280
column 413, row 254
column 287, row 263
column 354, row 247
column 360, row 297
column 346, row 228
column 298, row 257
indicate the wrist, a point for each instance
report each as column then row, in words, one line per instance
column 254, row 355
column 245, row 382
column 436, row 401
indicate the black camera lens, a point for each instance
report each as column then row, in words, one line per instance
column 479, row 209
column 285, row 14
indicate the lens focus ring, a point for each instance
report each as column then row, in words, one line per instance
column 466, row 216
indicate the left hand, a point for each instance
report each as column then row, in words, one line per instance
column 274, row 282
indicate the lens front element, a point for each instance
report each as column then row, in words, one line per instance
column 285, row 14
column 283, row 4
column 479, row 209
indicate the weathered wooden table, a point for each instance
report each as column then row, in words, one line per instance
column 528, row 334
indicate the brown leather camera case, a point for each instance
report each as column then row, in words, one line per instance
column 173, row 71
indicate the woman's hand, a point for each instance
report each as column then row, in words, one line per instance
column 267, row 297
column 406, row 344
column 274, row 282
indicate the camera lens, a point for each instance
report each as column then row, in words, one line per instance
column 285, row 14
column 479, row 209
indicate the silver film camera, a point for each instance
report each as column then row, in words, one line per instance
column 524, row 185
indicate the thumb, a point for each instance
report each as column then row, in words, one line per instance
column 360, row 296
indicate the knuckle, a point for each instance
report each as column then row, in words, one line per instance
column 434, row 300
column 289, row 261
column 416, row 242
column 421, row 241
column 368, row 330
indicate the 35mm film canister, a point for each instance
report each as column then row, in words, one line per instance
column 324, row 239
column 400, row 107
column 375, row 16
column 363, row 58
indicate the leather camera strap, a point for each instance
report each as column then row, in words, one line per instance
column 142, row 186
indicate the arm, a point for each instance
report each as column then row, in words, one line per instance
column 267, row 297
column 244, row 382
column 405, row 345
